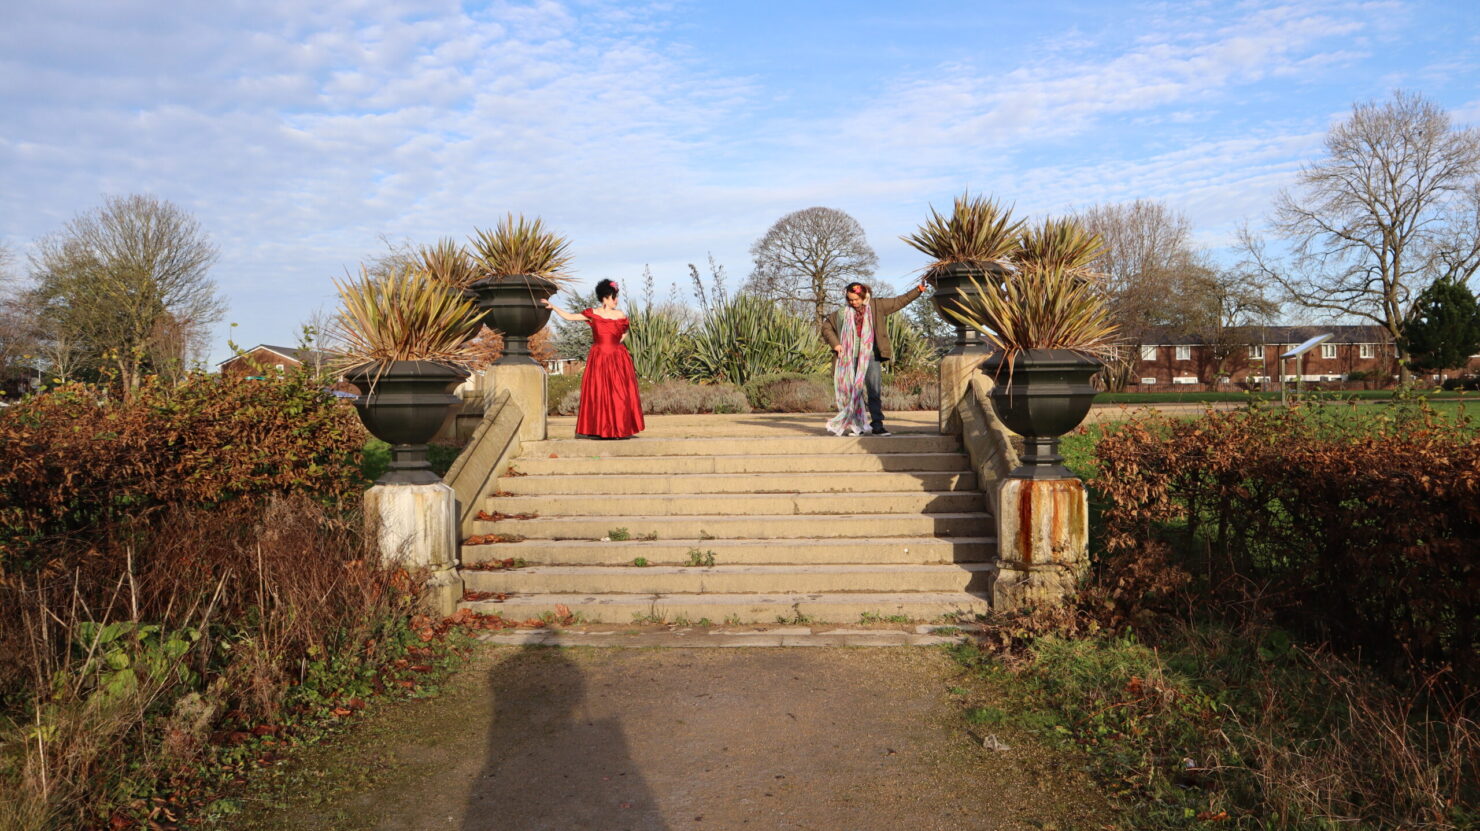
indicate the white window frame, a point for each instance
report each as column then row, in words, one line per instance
column 1184, row 353
column 1368, row 350
column 1148, row 353
column 1151, row 381
column 1256, row 353
column 1328, row 350
column 1186, row 379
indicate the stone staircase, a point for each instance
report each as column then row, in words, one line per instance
column 736, row 529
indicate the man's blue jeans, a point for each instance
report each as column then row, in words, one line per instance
column 873, row 385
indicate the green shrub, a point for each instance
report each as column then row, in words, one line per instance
column 558, row 387
column 912, row 350
column 657, row 342
column 790, row 392
column 748, row 337
column 570, row 403
column 683, row 397
column 894, row 399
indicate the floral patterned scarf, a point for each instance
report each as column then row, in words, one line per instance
column 850, row 371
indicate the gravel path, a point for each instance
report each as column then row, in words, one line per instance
column 819, row 738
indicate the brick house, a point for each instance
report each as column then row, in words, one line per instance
column 263, row 358
column 1360, row 356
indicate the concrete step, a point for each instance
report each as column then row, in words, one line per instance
column 733, row 579
column 847, row 607
column 727, row 526
column 736, row 504
column 718, row 636
column 534, row 464
column 746, row 446
column 738, row 483
column 741, row 552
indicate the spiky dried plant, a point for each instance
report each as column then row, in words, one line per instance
column 406, row 315
column 978, row 231
column 1059, row 243
column 520, row 246
column 1040, row 307
column 449, row 263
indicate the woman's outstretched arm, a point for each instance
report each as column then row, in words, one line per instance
column 557, row 310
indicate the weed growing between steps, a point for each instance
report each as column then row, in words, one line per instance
column 470, row 621
column 700, row 558
column 506, row 564
column 492, row 539
column 495, row 516
column 1222, row 728
column 872, row 617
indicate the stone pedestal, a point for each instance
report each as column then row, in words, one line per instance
column 528, row 388
column 1042, row 540
column 415, row 527
column 955, row 377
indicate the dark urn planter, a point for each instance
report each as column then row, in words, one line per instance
column 953, row 285
column 511, row 304
column 1042, row 395
column 406, row 405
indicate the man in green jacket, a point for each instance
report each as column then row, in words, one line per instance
column 859, row 296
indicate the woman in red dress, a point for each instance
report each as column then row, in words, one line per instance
column 610, row 406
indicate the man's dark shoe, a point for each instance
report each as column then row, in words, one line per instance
column 880, row 431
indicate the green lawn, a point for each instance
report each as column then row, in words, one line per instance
column 1270, row 395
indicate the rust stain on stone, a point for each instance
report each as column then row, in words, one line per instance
column 1025, row 521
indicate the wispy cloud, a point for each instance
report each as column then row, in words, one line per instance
column 300, row 133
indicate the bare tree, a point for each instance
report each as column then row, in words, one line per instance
column 1223, row 307
column 129, row 280
column 1393, row 206
column 1147, row 261
column 807, row 258
column 18, row 334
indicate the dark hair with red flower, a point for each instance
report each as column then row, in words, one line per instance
column 605, row 289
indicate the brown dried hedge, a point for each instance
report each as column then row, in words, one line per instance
column 1362, row 530
column 78, row 459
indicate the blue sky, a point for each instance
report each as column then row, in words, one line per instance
column 658, row 133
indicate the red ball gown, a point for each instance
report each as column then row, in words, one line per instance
column 610, row 406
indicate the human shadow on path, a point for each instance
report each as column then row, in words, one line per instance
column 553, row 762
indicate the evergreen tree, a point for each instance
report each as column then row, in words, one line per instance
column 1443, row 330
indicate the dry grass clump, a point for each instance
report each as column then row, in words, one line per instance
column 1386, row 760
column 1190, row 724
column 118, row 669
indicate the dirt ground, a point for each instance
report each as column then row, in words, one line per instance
column 580, row 738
